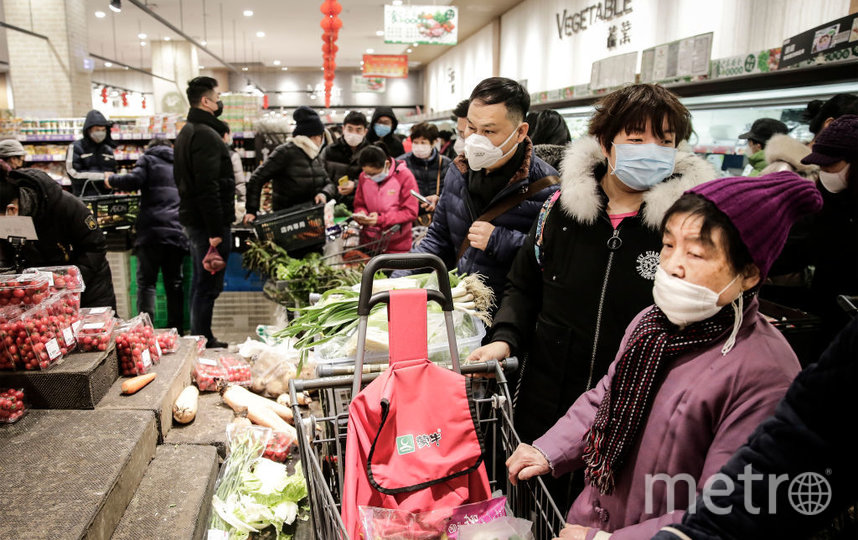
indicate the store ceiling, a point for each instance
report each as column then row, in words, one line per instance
column 291, row 28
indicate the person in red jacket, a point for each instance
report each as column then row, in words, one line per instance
column 383, row 198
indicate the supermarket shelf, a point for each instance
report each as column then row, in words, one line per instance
column 43, row 157
column 139, row 137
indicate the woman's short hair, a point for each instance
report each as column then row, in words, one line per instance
column 629, row 108
column 373, row 156
column 425, row 130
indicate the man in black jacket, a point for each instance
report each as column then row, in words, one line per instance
column 340, row 158
column 89, row 160
column 68, row 234
column 383, row 128
column 203, row 172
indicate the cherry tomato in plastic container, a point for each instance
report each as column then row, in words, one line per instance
column 12, row 405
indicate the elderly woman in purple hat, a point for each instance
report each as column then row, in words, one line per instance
column 835, row 229
column 695, row 373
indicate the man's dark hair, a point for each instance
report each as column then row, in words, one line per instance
column 445, row 135
column 199, row 87
column 159, row 141
column 425, row 130
column 355, row 118
column 697, row 206
column 502, row 90
column 374, row 155
column 629, row 108
column 461, row 110
column 834, row 108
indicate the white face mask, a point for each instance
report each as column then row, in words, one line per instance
column 423, row 151
column 459, row 145
column 353, row 139
column 98, row 136
column 380, row 177
column 834, row 182
column 481, row 153
column 684, row 302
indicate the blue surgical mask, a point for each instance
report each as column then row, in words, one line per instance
column 382, row 129
column 380, row 177
column 641, row 166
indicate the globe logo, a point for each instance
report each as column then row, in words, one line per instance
column 809, row 493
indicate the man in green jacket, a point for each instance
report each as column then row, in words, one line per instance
column 760, row 133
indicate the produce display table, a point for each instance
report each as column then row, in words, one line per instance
column 79, row 382
column 174, row 374
column 71, row 474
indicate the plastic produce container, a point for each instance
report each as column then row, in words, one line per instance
column 168, row 340
column 237, row 370
column 136, row 346
column 92, row 314
column 94, row 335
column 61, row 278
column 39, row 335
column 12, row 405
column 207, row 373
column 23, row 289
column 9, row 336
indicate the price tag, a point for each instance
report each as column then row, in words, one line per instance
column 76, row 325
column 93, row 326
column 207, row 361
column 158, row 348
column 98, row 310
column 147, row 358
column 68, row 335
column 53, row 348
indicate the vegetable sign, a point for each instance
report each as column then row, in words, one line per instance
column 431, row 25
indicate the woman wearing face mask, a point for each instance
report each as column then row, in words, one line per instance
column 294, row 168
column 383, row 198
column 426, row 163
column 695, row 373
column 834, row 235
column 89, row 160
column 382, row 128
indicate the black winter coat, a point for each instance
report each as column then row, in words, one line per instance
column 68, row 234
column 158, row 222
column 391, row 140
column 340, row 160
column 426, row 171
column 87, row 160
column 807, row 434
column 203, row 172
column 296, row 178
column 569, row 313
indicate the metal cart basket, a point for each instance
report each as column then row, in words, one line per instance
column 322, row 439
column 345, row 250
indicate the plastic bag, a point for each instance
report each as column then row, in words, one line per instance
column 385, row 523
column 505, row 528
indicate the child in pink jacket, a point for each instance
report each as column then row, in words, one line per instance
column 383, row 198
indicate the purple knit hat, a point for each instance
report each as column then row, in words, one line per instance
column 837, row 142
column 763, row 209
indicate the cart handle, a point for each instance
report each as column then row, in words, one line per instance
column 404, row 261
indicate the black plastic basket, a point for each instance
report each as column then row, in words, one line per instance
column 293, row 228
column 114, row 211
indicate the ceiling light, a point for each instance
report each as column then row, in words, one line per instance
column 142, row 43
column 284, row 68
column 248, row 13
column 408, row 51
column 415, row 44
column 260, row 34
column 125, row 67
column 201, row 67
column 141, row 35
column 276, row 62
column 100, row 14
column 204, row 43
column 116, row 5
column 370, row 51
column 397, row 2
column 379, row 32
column 167, row 38
column 321, row 68
column 108, row 64
column 244, row 69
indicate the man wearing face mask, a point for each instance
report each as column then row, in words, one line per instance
column 89, row 160
column 382, row 128
column 460, row 116
column 834, row 233
column 204, row 175
column 294, row 168
column 493, row 192
column 427, row 164
column 588, row 264
column 341, row 158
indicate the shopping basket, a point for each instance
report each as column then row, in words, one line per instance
column 323, row 453
column 114, row 211
column 293, row 228
column 345, row 250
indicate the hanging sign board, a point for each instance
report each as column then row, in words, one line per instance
column 836, row 40
column 390, row 66
column 368, row 84
column 426, row 25
column 687, row 57
column 614, row 71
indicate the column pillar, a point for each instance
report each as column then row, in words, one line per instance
column 49, row 78
column 177, row 61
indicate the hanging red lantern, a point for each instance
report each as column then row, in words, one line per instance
column 331, row 7
column 104, row 94
column 329, row 64
column 331, row 24
column 265, row 101
column 329, row 48
column 330, row 36
column 329, row 75
column 143, row 103
column 124, row 97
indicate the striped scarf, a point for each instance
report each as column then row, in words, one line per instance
column 654, row 343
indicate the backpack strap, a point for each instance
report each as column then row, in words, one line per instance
column 540, row 228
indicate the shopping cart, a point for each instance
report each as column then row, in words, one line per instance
column 343, row 247
column 322, row 439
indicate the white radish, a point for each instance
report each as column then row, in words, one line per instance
column 263, row 416
column 240, row 398
column 185, row 407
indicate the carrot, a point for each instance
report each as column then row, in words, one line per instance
column 136, row 383
column 239, row 398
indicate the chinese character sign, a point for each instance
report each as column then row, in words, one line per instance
column 431, row 25
column 390, row 66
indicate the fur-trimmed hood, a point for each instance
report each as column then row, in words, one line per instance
column 580, row 197
column 784, row 148
column 304, row 143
